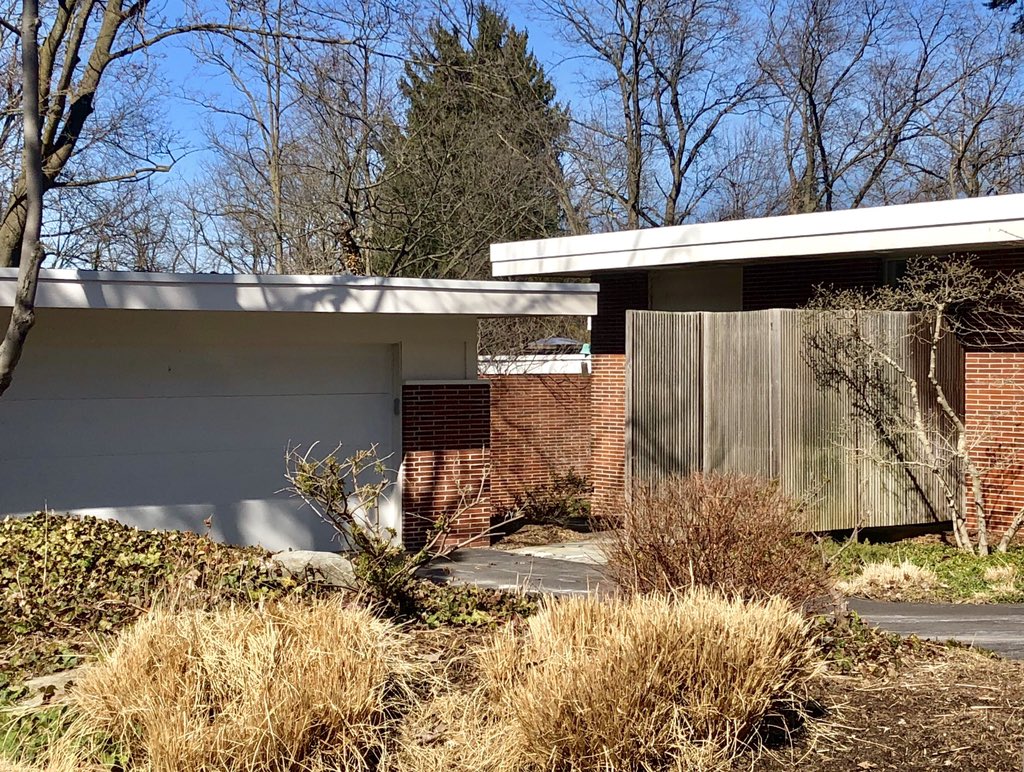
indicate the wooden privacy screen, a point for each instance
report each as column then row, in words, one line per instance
column 733, row 392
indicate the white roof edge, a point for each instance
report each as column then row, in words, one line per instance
column 957, row 223
column 69, row 288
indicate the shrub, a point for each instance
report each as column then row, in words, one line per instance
column 650, row 682
column 565, row 501
column 738, row 534
column 294, row 686
column 891, row 581
column 468, row 605
column 346, row 493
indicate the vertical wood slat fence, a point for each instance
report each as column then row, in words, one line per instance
column 733, row 392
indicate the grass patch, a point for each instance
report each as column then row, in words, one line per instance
column 888, row 580
column 960, row 577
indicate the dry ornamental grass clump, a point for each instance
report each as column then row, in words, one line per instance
column 1003, row 579
column 648, row 683
column 294, row 686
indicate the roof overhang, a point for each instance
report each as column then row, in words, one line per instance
column 317, row 294
column 949, row 226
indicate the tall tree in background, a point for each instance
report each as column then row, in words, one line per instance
column 297, row 144
column 669, row 77
column 477, row 159
column 856, row 87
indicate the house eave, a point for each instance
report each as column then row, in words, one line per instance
column 126, row 290
column 954, row 226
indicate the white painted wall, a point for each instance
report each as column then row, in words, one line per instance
column 697, row 288
column 162, row 418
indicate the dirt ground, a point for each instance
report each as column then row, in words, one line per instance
column 964, row 711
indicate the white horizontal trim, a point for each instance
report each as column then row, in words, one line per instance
column 953, row 225
column 60, row 288
column 448, row 382
column 535, row 364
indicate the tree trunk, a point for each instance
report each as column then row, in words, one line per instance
column 23, row 314
column 12, row 229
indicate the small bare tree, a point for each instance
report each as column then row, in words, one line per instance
column 79, row 52
column 347, row 492
column 917, row 423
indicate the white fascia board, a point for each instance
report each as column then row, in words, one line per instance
column 952, row 225
column 317, row 294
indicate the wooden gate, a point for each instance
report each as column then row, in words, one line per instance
column 733, row 392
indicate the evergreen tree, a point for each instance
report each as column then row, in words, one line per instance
column 476, row 161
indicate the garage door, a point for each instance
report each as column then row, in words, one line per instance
column 165, row 434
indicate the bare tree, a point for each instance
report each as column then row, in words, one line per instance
column 914, row 417
column 132, row 225
column 62, row 75
column 669, row 76
column 860, row 89
column 297, row 153
column 23, row 311
column 974, row 145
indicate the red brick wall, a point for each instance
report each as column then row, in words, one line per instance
column 540, row 426
column 995, row 422
column 608, row 427
column 446, row 451
column 620, row 292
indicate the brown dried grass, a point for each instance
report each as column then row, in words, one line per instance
column 734, row 533
column 888, row 580
column 294, row 686
column 645, row 683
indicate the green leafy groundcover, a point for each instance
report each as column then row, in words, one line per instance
column 65, row 580
column 961, row 575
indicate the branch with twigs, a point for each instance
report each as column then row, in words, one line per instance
column 346, row 493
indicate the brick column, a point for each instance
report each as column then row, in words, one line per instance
column 446, row 451
column 620, row 292
column 994, row 411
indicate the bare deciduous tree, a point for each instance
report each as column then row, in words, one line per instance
column 915, row 419
column 854, row 87
column 296, row 162
column 669, row 77
column 23, row 311
column 74, row 50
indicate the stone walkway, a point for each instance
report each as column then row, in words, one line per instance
column 513, row 570
column 589, row 551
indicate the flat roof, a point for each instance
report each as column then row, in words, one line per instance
column 956, row 225
column 62, row 288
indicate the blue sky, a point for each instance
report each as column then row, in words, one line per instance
column 182, row 73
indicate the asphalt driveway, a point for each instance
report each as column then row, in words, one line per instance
column 999, row 627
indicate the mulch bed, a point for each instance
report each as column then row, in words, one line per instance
column 962, row 711
column 539, row 535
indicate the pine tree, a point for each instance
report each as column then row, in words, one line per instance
column 477, row 160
